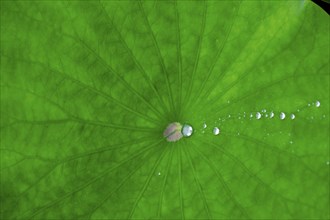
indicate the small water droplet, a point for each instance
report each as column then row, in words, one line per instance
column 292, row 116
column 309, row 104
column 291, row 142
column 158, row 173
column 187, row 130
column 258, row 115
column 239, row 117
column 228, row 101
column 204, row 125
column 264, row 110
column 318, row 104
column 237, row 133
column 328, row 162
column 229, row 116
column 298, row 110
column 282, row 115
column 251, row 116
column 266, row 115
column 216, row 130
column 271, row 115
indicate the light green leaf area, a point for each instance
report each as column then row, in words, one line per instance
column 88, row 87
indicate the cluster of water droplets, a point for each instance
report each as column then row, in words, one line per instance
column 187, row 130
column 259, row 115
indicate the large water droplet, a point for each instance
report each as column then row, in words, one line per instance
column 216, row 131
column 282, row 115
column 172, row 132
column 187, row 130
column 258, row 115
column 317, row 104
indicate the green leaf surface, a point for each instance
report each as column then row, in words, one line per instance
column 88, row 87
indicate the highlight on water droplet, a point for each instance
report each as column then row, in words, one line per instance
column 258, row 115
column 282, row 115
column 317, row 104
column 292, row 116
column 216, row 131
column 187, row 130
column 271, row 115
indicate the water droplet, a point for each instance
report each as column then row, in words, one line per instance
column 271, row 115
column 158, row 173
column 216, row 130
column 228, row 101
column 172, row 132
column 318, row 104
column 239, row 117
column 229, row 116
column 292, row 116
column 309, row 104
column 266, row 115
column 187, row 130
column 237, row 133
column 251, row 116
column 282, row 115
column 328, row 162
column 204, row 125
column 291, row 142
column 258, row 115
column 298, row 110
column 264, row 110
